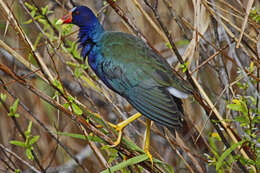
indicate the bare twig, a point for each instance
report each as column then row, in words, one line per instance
column 209, row 59
column 248, row 8
column 70, row 165
column 19, row 158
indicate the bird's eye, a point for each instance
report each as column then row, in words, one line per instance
column 76, row 12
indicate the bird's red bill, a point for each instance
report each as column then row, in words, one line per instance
column 67, row 18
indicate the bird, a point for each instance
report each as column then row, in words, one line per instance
column 132, row 69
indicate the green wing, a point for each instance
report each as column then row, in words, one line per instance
column 137, row 73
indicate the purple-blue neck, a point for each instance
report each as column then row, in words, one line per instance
column 89, row 36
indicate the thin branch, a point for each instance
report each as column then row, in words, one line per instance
column 20, row 159
column 35, row 117
column 80, row 120
column 70, row 165
column 210, row 58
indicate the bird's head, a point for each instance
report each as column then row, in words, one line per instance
column 90, row 30
column 81, row 16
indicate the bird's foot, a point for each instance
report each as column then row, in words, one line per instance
column 119, row 129
column 147, row 140
column 149, row 155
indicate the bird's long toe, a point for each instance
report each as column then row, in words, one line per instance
column 149, row 155
column 119, row 128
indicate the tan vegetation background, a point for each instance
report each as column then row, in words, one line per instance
column 218, row 39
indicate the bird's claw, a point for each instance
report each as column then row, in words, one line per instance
column 119, row 129
column 149, row 155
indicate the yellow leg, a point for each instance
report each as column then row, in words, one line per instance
column 147, row 140
column 120, row 126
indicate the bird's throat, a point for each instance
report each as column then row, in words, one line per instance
column 88, row 37
column 93, row 32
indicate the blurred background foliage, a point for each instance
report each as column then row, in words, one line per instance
column 54, row 109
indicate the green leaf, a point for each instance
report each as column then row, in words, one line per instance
column 66, row 105
column 74, row 135
column 16, row 115
column 28, row 21
column 251, row 67
column 44, row 10
column 241, row 119
column 58, row 22
column 17, row 171
column 126, row 170
column 255, row 14
column 29, row 6
column 71, row 99
column 235, row 107
column 247, row 161
column 58, row 85
column 33, row 140
column 3, row 97
column 105, row 147
column 29, row 154
column 126, row 163
column 43, row 21
column 216, row 136
column 76, row 109
column 256, row 18
column 239, row 105
column 29, row 129
column 253, row 100
column 168, row 45
column 182, row 42
column 212, row 143
column 15, row 105
column 227, row 153
column 184, row 66
column 112, row 155
column 90, row 83
column 38, row 17
column 74, row 50
column 66, row 29
column 13, row 109
column 97, row 119
column 33, row 12
column 18, row 143
column 94, row 138
column 10, row 114
column 256, row 120
column 132, row 145
column 164, row 165
column 78, row 72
